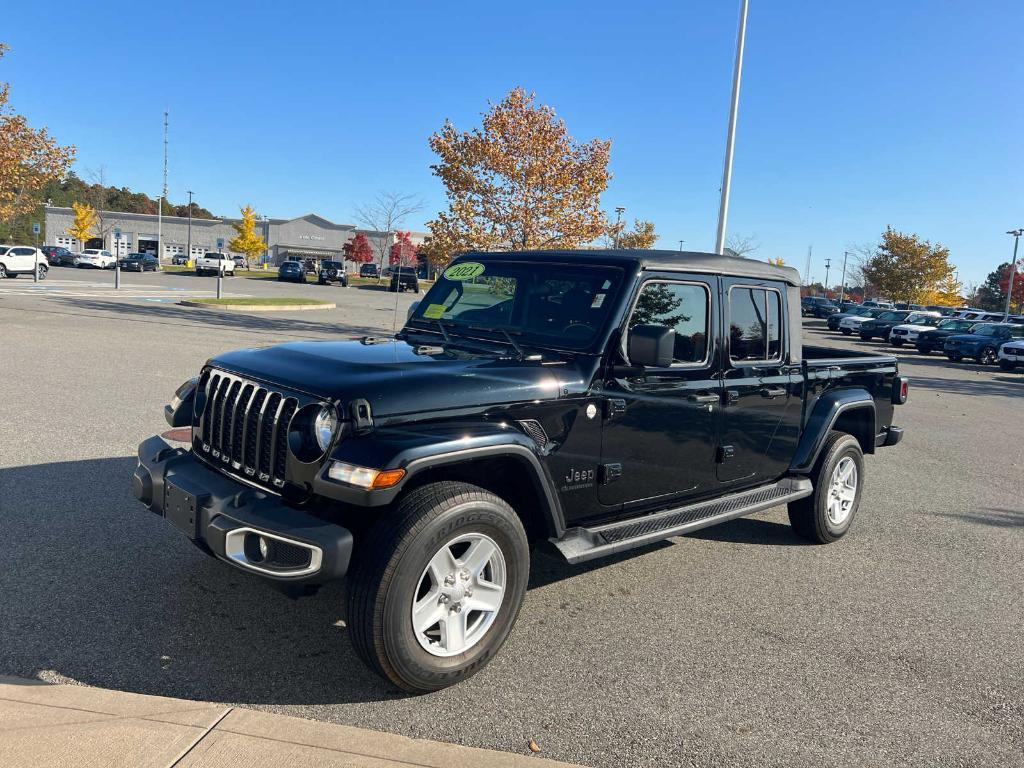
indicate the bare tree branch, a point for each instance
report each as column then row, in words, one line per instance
column 742, row 245
column 386, row 213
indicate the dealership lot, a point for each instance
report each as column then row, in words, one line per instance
column 736, row 645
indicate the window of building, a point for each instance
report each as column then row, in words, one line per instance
column 681, row 306
column 755, row 324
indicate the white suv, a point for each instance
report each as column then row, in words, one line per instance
column 1011, row 354
column 94, row 257
column 22, row 260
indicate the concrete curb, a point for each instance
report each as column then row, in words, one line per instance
column 71, row 725
column 259, row 307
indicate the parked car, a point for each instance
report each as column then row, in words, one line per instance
column 817, row 306
column 881, row 326
column 140, row 262
column 215, row 263
column 867, row 312
column 851, row 323
column 332, row 272
column 22, row 260
column 846, row 306
column 877, row 304
column 368, row 270
column 291, row 272
column 179, row 259
column 935, row 339
column 240, row 262
column 982, row 343
column 95, row 258
column 404, row 279
column 57, row 255
column 478, row 431
column 1011, row 354
column 907, row 332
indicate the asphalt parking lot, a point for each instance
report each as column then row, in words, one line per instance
column 739, row 645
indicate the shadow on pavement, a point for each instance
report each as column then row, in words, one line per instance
column 994, row 516
column 1001, row 386
column 170, row 314
column 751, row 530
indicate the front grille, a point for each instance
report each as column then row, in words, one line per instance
column 244, row 428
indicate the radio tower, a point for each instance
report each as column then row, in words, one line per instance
column 160, row 203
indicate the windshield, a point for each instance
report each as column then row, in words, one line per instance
column 886, row 317
column 331, row 265
column 556, row 305
column 955, row 325
column 921, row 319
column 985, row 330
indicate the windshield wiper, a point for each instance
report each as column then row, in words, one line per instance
column 447, row 338
column 508, row 337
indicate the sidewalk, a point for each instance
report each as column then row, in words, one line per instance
column 44, row 725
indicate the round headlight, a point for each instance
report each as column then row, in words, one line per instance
column 323, row 427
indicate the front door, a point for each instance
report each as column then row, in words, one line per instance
column 659, row 437
column 761, row 412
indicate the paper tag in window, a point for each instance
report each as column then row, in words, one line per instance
column 598, row 301
column 433, row 311
column 467, row 270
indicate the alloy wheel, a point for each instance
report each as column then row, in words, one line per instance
column 842, row 491
column 459, row 594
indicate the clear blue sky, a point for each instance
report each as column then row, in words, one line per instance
column 853, row 116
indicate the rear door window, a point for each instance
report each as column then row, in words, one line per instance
column 755, row 324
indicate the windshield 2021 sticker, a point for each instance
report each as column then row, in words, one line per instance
column 467, row 270
column 433, row 311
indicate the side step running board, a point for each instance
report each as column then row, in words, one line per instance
column 581, row 544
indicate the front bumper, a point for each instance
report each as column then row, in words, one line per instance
column 245, row 527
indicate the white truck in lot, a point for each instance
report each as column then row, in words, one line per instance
column 214, row 263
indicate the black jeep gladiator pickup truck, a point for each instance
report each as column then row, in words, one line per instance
column 592, row 400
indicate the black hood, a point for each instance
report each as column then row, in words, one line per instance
column 397, row 379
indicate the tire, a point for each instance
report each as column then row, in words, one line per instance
column 811, row 517
column 865, row 337
column 846, row 331
column 391, row 569
column 1007, row 365
column 987, row 356
column 897, row 342
column 42, row 269
column 955, row 357
column 923, row 351
column 3, row 272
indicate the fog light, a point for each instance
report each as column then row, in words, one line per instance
column 364, row 477
column 264, row 548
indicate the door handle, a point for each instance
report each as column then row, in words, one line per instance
column 772, row 392
column 703, row 399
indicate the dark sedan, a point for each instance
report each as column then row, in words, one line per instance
column 982, row 343
column 935, row 339
column 881, row 325
column 292, row 272
column 57, row 255
column 139, row 262
column 817, row 306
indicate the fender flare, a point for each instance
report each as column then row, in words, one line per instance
column 417, row 449
column 827, row 410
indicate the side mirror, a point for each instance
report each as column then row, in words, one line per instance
column 412, row 308
column 651, row 345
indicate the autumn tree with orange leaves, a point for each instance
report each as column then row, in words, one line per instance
column 29, row 158
column 519, row 181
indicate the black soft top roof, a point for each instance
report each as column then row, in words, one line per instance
column 682, row 261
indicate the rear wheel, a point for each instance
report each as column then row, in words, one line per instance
column 41, row 271
column 897, row 342
column 924, row 350
column 3, row 272
column 437, row 585
column 865, row 337
column 987, row 356
column 955, row 357
column 846, row 331
column 827, row 514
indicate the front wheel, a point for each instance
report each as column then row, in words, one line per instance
column 827, row 514
column 846, row 331
column 437, row 586
column 1007, row 365
column 865, row 337
column 955, row 357
column 987, row 356
column 3, row 272
column 897, row 342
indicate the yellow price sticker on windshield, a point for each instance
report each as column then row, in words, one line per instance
column 433, row 311
column 466, row 270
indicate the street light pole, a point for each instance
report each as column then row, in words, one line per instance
column 828, row 263
column 1013, row 266
column 842, row 288
column 618, row 217
column 681, row 245
column 723, row 207
column 189, row 225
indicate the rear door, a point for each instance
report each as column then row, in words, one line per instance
column 23, row 259
column 762, row 398
column 660, row 429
